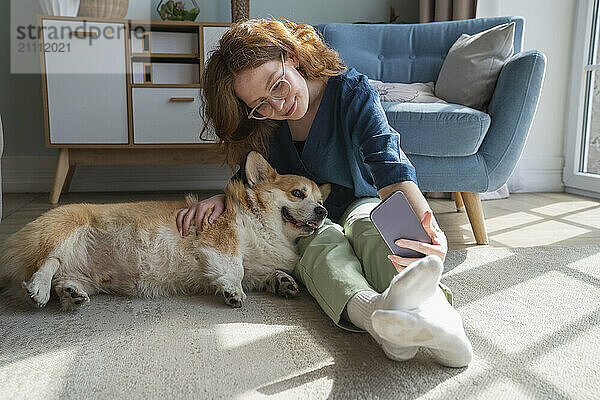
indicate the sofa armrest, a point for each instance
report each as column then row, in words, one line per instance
column 512, row 109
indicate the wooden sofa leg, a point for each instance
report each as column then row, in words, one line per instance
column 475, row 214
column 458, row 200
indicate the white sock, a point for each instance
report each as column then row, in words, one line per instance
column 409, row 289
column 413, row 285
column 435, row 325
column 360, row 308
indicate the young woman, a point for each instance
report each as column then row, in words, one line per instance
column 275, row 87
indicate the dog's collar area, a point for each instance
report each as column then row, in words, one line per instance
column 288, row 217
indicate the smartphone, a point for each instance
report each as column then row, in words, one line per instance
column 395, row 219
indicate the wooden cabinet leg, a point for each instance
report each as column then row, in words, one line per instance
column 68, row 179
column 475, row 212
column 458, row 200
column 60, row 175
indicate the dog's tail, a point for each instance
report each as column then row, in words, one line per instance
column 20, row 257
column 11, row 260
column 18, row 264
column 11, row 292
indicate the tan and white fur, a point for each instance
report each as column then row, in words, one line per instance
column 135, row 249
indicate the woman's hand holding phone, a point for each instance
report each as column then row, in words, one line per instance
column 438, row 246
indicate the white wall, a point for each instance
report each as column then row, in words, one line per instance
column 548, row 28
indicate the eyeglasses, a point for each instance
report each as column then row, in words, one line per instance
column 279, row 91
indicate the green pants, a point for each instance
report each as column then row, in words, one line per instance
column 340, row 260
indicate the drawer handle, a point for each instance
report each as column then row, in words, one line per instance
column 83, row 34
column 181, row 99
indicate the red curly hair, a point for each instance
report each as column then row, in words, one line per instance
column 246, row 45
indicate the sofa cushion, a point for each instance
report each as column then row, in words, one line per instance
column 437, row 129
column 471, row 68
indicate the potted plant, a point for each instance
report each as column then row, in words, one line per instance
column 185, row 10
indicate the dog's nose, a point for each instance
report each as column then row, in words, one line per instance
column 320, row 211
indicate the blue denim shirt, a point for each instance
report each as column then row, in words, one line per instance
column 350, row 145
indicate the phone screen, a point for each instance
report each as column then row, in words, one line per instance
column 395, row 219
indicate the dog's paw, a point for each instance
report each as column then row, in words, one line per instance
column 282, row 284
column 71, row 295
column 233, row 299
column 38, row 292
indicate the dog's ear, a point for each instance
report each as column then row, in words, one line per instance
column 325, row 190
column 258, row 169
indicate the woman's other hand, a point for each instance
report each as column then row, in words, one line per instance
column 197, row 211
column 438, row 246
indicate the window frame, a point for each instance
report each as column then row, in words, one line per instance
column 578, row 105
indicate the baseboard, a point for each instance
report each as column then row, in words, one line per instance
column 537, row 174
column 36, row 174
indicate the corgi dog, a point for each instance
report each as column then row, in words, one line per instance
column 135, row 249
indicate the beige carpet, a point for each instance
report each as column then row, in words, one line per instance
column 533, row 315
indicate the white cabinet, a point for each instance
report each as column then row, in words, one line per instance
column 124, row 92
column 86, row 82
column 124, row 82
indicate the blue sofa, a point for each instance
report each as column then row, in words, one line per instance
column 453, row 148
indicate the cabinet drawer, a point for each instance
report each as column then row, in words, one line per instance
column 82, row 47
column 166, row 115
column 86, row 82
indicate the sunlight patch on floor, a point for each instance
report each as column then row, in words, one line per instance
column 478, row 257
column 509, row 221
column 42, row 372
column 236, row 335
column 564, row 207
column 589, row 265
column 540, row 234
column 573, row 358
column 501, row 322
column 589, row 218
column 503, row 385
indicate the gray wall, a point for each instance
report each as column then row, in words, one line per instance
column 20, row 100
column 21, row 96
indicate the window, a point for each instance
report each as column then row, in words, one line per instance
column 582, row 158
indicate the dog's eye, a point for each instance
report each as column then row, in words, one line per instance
column 297, row 193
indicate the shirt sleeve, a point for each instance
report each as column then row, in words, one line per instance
column 379, row 143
